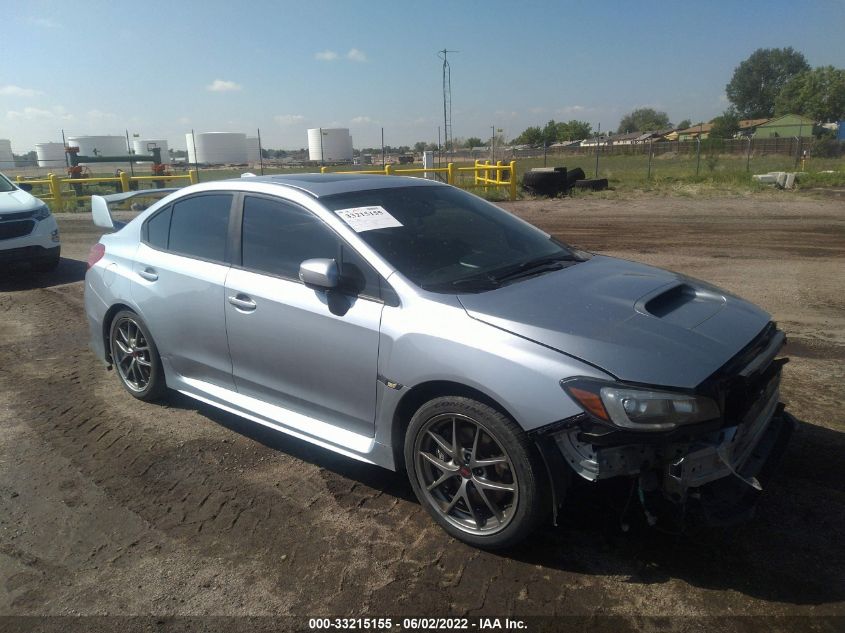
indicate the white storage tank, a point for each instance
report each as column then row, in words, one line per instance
column 7, row 161
column 143, row 146
column 99, row 145
column 50, row 154
column 253, row 151
column 216, row 148
column 330, row 144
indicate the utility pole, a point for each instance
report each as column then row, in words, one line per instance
column 598, row 140
column 260, row 151
column 447, row 97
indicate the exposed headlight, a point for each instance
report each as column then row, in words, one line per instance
column 640, row 409
column 41, row 213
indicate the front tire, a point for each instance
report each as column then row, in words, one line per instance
column 475, row 471
column 135, row 357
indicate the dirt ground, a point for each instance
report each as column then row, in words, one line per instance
column 112, row 506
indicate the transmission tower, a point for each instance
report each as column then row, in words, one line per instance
column 447, row 99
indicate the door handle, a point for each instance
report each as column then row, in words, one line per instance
column 148, row 273
column 242, row 302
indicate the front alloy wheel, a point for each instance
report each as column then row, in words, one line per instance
column 475, row 471
column 466, row 474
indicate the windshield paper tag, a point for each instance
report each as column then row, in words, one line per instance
column 367, row 218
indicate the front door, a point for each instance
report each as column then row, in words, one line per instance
column 311, row 351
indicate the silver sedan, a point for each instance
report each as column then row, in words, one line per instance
column 412, row 325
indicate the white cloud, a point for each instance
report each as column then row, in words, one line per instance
column 288, row 119
column 56, row 113
column 355, row 55
column 358, row 120
column 99, row 115
column 326, row 56
column 221, row 85
column 11, row 90
column 183, row 120
column 574, row 109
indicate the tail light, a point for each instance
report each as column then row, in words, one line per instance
column 96, row 254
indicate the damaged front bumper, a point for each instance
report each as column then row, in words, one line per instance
column 708, row 475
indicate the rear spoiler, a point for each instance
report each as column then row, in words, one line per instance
column 101, row 213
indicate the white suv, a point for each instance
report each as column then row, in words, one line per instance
column 28, row 231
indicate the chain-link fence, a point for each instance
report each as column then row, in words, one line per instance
column 717, row 159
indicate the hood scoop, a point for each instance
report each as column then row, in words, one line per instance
column 681, row 304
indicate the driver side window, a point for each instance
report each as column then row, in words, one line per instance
column 276, row 237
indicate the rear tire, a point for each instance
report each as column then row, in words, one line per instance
column 135, row 357
column 574, row 174
column 593, row 184
column 476, row 472
column 544, row 183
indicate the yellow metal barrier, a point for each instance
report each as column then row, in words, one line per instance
column 124, row 182
column 503, row 175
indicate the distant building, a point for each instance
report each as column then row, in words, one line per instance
column 786, row 126
column 593, row 141
column 702, row 131
column 747, row 127
column 624, row 139
column 657, row 135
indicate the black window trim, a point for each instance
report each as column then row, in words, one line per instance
column 233, row 211
column 237, row 258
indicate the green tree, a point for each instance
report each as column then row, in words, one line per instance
column 530, row 136
column 726, row 125
column 643, row 120
column 757, row 82
column 419, row 146
column 683, row 125
column 573, row 130
column 550, row 132
column 818, row 94
column 473, row 141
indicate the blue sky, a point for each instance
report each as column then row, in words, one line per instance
column 162, row 68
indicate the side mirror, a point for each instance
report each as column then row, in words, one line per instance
column 319, row 273
column 25, row 186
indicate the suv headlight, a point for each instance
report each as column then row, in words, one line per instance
column 640, row 409
column 41, row 213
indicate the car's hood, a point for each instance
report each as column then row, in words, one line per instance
column 639, row 323
column 17, row 201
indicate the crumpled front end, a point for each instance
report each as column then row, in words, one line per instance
column 712, row 471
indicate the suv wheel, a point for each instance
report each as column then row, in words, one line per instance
column 135, row 357
column 475, row 471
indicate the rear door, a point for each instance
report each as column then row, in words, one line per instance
column 178, row 284
column 311, row 351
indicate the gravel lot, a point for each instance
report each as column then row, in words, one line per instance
column 112, row 506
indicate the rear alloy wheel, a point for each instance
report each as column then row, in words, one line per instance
column 135, row 357
column 475, row 471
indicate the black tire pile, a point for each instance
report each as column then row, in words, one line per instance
column 558, row 180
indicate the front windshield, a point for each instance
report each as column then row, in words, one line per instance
column 448, row 240
column 5, row 184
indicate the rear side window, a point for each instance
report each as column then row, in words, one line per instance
column 158, row 229
column 199, row 226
